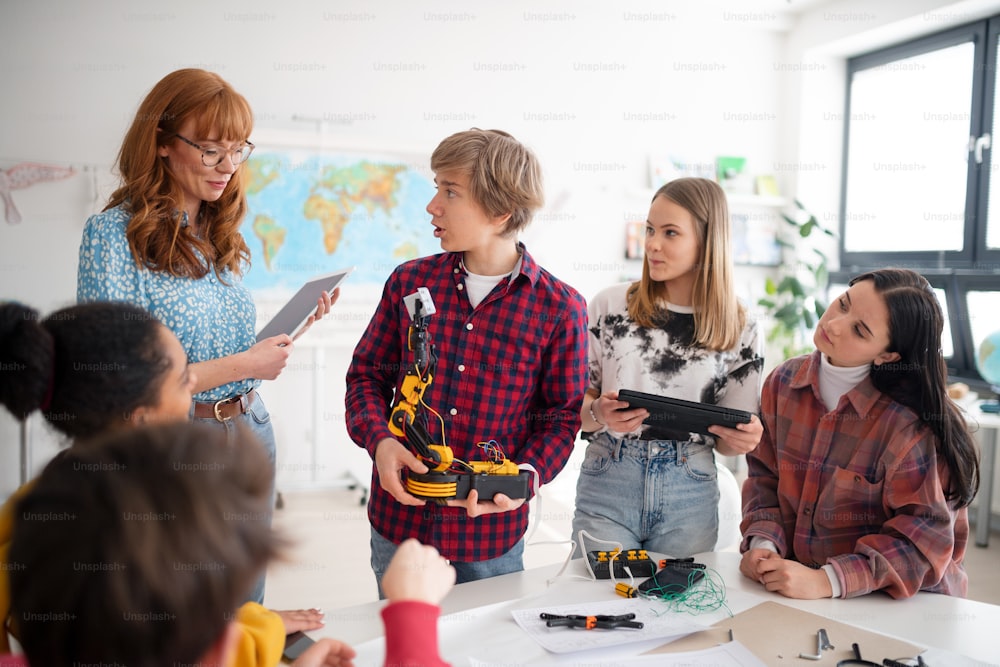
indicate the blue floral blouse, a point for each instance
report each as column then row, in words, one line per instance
column 211, row 318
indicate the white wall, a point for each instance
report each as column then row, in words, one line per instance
column 594, row 88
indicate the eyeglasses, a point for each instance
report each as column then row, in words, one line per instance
column 211, row 156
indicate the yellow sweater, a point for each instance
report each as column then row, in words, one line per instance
column 261, row 632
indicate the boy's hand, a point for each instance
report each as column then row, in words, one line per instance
column 474, row 508
column 391, row 458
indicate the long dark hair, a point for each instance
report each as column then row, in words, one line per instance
column 164, row 519
column 919, row 378
column 86, row 367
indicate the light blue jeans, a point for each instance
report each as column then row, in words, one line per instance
column 257, row 420
column 658, row 495
column 512, row 561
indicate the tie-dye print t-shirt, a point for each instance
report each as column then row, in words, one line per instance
column 664, row 361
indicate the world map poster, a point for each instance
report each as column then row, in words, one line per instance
column 312, row 213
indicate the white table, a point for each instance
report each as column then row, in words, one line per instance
column 989, row 424
column 469, row 625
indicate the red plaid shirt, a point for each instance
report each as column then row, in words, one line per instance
column 514, row 370
column 860, row 488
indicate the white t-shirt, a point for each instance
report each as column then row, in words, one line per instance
column 663, row 361
column 477, row 287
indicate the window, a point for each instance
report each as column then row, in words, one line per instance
column 910, row 125
column 918, row 174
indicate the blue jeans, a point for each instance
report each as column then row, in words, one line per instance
column 512, row 561
column 658, row 495
column 257, row 420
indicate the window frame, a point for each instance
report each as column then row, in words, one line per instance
column 987, row 259
column 932, row 259
column 975, row 266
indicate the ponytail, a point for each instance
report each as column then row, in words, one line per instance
column 86, row 367
column 27, row 357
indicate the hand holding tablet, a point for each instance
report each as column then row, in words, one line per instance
column 675, row 415
column 293, row 318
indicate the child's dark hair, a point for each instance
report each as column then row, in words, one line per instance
column 919, row 378
column 85, row 367
column 136, row 547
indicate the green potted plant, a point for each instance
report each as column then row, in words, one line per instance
column 797, row 299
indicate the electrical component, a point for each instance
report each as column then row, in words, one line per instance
column 448, row 478
column 690, row 590
column 636, row 560
column 624, row 590
column 681, row 564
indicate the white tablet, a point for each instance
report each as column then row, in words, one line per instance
column 294, row 314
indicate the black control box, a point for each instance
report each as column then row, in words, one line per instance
column 637, row 561
column 456, row 486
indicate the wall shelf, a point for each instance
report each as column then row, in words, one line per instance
column 735, row 199
column 741, row 199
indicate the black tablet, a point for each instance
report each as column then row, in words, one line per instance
column 295, row 645
column 294, row 314
column 673, row 416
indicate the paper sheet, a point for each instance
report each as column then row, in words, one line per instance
column 777, row 634
column 659, row 623
column 732, row 654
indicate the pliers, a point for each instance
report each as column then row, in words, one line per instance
column 590, row 622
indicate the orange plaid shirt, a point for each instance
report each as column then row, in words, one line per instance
column 860, row 487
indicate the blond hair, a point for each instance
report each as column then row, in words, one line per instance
column 504, row 175
column 719, row 317
column 153, row 197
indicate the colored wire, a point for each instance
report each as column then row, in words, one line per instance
column 444, row 440
column 697, row 597
column 492, row 451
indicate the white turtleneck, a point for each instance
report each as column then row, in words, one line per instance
column 835, row 381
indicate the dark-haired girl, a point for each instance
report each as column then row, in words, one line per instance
column 863, row 475
column 99, row 367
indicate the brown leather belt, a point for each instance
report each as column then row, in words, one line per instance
column 225, row 409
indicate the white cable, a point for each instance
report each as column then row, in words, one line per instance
column 536, row 488
column 611, row 564
column 586, row 559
